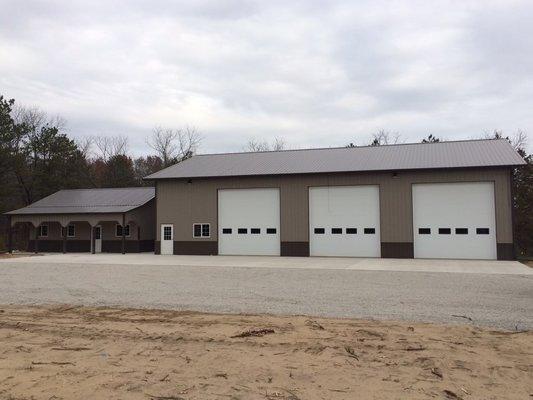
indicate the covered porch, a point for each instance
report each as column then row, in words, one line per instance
column 94, row 233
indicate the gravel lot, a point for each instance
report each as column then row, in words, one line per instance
column 496, row 300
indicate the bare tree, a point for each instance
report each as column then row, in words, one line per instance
column 518, row 140
column 174, row 145
column 189, row 139
column 254, row 145
column 35, row 118
column 383, row 137
column 279, row 144
column 110, row 146
column 85, row 145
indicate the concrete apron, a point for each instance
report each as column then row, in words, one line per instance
column 370, row 264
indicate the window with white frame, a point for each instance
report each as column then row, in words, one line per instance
column 71, row 231
column 201, row 230
column 42, row 231
column 118, row 232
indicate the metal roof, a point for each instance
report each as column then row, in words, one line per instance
column 458, row 154
column 90, row 201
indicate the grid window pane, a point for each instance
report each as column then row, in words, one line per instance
column 205, row 230
column 197, row 230
column 71, row 231
column 43, row 230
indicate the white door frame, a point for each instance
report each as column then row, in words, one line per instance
column 98, row 242
column 167, row 246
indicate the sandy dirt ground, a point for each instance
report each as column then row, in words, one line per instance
column 104, row 353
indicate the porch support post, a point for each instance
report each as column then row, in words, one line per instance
column 92, row 240
column 64, row 231
column 9, row 235
column 36, row 249
column 123, row 233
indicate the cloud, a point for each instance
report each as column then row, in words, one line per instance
column 315, row 73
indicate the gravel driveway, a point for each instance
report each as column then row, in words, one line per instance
column 497, row 300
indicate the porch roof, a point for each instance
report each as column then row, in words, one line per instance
column 89, row 201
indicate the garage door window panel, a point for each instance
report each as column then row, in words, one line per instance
column 445, row 231
column 461, row 231
column 336, row 231
column 255, row 231
column 319, row 231
column 370, row 231
column 226, row 231
column 351, row 231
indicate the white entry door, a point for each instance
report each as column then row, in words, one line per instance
column 98, row 239
column 167, row 239
column 344, row 221
column 454, row 220
column 248, row 222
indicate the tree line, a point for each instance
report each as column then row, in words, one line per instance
column 37, row 158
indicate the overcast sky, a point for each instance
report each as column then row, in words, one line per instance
column 316, row 73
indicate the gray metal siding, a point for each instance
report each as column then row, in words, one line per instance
column 182, row 204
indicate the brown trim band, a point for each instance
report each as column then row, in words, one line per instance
column 397, row 250
column 295, row 249
column 200, row 248
column 505, row 251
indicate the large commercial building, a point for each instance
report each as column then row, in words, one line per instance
column 431, row 200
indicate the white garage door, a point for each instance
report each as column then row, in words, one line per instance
column 248, row 222
column 344, row 221
column 454, row 220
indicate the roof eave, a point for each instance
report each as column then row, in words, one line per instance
column 339, row 171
